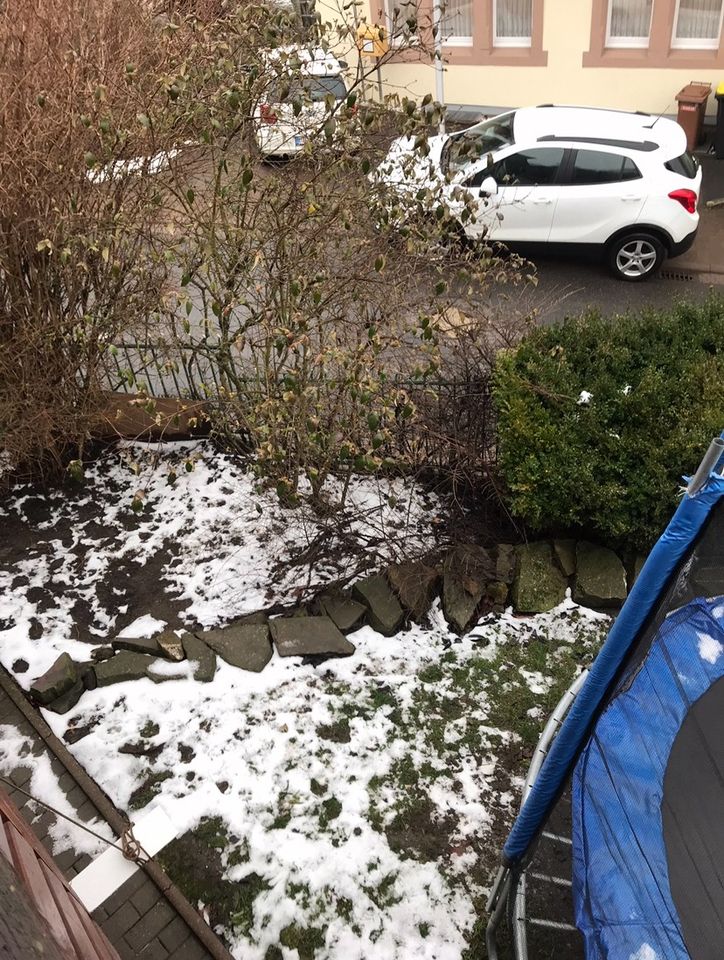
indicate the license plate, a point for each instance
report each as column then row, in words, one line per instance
column 298, row 141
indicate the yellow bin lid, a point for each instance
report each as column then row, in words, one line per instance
column 720, row 90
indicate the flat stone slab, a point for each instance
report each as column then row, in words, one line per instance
column 600, row 576
column 246, row 646
column 66, row 701
column 171, row 645
column 416, row 585
column 203, row 657
column 343, row 611
column 309, row 636
column 56, row 681
column 384, row 612
column 466, row 572
column 539, row 585
column 147, row 645
column 126, row 665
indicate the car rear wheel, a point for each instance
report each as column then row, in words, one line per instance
column 636, row 256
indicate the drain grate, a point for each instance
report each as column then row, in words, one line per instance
column 676, row 275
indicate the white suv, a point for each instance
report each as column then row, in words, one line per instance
column 312, row 77
column 566, row 179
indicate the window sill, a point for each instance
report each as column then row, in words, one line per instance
column 675, row 59
column 496, row 56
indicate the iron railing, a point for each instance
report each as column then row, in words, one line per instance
column 454, row 427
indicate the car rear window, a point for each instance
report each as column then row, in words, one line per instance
column 317, row 88
column 310, row 88
column 595, row 166
column 686, row 165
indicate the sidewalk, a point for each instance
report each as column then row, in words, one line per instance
column 707, row 254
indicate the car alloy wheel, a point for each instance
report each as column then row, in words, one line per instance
column 636, row 256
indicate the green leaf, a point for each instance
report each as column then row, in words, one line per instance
column 247, row 176
column 143, row 120
column 75, row 470
column 373, row 421
column 380, row 264
column 190, row 195
column 365, row 165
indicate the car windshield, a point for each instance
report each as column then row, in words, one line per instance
column 317, row 88
column 468, row 147
column 310, row 88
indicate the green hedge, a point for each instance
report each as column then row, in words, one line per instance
column 610, row 467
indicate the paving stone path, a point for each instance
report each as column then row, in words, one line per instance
column 140, row 919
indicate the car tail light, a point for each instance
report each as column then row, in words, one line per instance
column 687, row 199
column 267, row 114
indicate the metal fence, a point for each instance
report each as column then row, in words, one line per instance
column 454, row 427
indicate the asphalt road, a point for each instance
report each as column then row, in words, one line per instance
column 570, row 287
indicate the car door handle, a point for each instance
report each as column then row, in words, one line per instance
column 542, row 200
column 631, row 196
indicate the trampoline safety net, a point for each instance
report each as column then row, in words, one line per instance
column 648, row 786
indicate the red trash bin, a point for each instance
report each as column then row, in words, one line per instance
column 692, row 108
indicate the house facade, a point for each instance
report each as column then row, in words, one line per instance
column 627, row 54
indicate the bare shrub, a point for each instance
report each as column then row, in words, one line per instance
column 79, row 81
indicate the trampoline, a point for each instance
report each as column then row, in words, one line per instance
column 636, row 747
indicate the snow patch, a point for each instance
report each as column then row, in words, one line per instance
column 142, row 628
column 709, row 648
column 15, row 752
column 645, row 952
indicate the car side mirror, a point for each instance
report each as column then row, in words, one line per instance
column 488, row 187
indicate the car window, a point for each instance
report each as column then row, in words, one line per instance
column 310, row 88
column 537, row 167
column 686, row 165
column 317, row 88
column 594, row 166
column 469, row 146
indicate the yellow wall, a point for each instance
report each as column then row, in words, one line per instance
column 566, row 35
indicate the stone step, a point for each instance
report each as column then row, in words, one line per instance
column 309, row 636
column 246, row 645
column 384, row 612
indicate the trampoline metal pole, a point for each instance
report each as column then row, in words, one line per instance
column 709, row 461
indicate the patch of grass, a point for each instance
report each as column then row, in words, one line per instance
column 148, row 789
column 331, row 809
column 195, row 863
column 149, row 729
column 337, row 732
column 382, row 895
column 305, row 940
column 317, row 788
column 344, row 908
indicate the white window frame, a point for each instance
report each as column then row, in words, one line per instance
column 695, row 43
column 627, row 43
column 509, row 41
column 396, row 39
column 458, row 41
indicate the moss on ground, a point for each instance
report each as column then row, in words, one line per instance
column 148, row 789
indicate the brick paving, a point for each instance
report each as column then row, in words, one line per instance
column 139, row 919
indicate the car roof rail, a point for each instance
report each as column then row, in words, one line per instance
column 645, row 146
